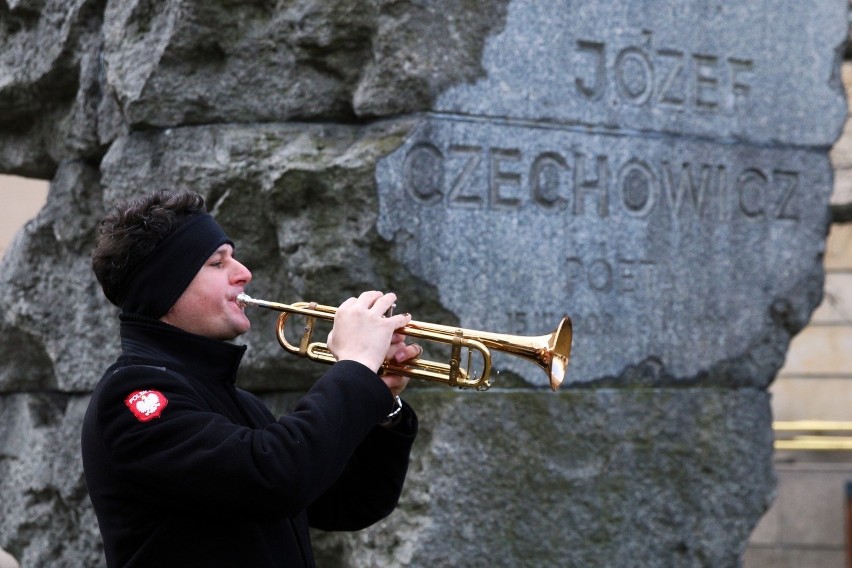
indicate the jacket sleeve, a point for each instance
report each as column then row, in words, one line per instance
column 191, row 456
column 371, row 484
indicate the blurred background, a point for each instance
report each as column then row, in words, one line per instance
column 807, row 525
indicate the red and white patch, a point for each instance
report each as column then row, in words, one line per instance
column 146, row 404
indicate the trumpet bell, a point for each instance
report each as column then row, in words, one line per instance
column 559, row 347
column 551, row 352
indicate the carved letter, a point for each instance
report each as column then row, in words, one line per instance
column 706, row 82
column 672, row 89
column 499, row 177
column 634, row 76
column 574, row 271
column 751, row 187
column 637, row 188
column 740, row 89
column 457, row 195
column 545, row 179
column 686, row 187
column 583, row 186
column 600, row 276
column 723, row 193
column 423, row 173
column 596, row 89
column 789, row 182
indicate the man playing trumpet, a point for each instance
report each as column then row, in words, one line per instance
column 184, row 468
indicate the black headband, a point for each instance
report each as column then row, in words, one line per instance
column 157, row 283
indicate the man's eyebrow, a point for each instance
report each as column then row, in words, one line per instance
column 224, row 250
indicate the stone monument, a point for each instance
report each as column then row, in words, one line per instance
column 657, row 170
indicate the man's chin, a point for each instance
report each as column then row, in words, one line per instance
column 235, row 331
column 243, row 328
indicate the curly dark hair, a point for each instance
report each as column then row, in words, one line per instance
column 131, row 231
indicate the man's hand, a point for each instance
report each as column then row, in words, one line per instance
column 362, row 333
column 399, row 352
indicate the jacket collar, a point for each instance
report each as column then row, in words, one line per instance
column 150, row 340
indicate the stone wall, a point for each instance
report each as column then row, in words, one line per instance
column 498, row 164
column 806, row 525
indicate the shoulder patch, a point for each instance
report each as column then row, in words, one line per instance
column 146, row 404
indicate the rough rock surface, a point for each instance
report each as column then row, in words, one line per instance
column 657, row 170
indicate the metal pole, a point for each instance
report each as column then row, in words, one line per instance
column 848, row 524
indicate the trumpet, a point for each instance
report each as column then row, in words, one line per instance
column 550, row 352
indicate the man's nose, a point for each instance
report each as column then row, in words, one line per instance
column 243, row 274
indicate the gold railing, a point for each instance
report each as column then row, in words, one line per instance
column 813, row 435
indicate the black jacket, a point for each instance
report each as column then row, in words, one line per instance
column 184, row 469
